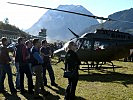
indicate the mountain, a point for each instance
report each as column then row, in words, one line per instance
column 125, row 15
column 57, row 23
column 9, row 29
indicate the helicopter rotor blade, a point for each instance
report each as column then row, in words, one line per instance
column 77, row 36
column 95, row 17
column 121, row 21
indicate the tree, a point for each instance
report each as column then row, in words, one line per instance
column 6, row 21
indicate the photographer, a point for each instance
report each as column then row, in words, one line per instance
column 72, row 63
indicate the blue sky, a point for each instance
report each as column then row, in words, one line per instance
column 25, row 17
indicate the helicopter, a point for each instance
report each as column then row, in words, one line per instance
column 101, row 46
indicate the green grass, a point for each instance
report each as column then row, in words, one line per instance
column 104, row 84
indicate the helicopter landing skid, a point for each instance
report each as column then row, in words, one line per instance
column 96, row 65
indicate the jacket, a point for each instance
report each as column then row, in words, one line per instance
column 72, row 61
column 4, row 55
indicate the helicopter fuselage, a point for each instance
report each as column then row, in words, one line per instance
column 102, row 46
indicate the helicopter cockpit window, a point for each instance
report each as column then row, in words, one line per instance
column 98, row 45
column 79, row 43
column 86, row 45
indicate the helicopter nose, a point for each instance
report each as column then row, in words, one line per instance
column 59, row 53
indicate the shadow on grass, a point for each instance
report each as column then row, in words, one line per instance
column 60, row 90
column 8, row 96
column 28, row 96
column 79, row 98
column 43, row 97
column 122, row 78
column 52, row 97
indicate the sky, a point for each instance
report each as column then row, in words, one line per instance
column 24, row 17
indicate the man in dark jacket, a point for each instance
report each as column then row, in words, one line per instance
column 46, row 52
column 22, row 56
column 5, row 67
column 72, row 63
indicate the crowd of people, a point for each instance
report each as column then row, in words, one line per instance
column 32, row 57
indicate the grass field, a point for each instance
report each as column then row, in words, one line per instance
column 103, row 84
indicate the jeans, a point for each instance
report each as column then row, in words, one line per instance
column 5, row 68
column 39, row 79
column 71, row 88
column 47, row 65
column 17, row 75
column 31, row 70
column 24, row 69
